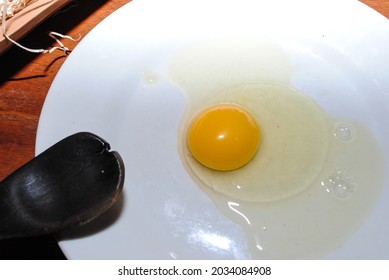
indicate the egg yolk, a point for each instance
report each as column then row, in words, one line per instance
column 224, row 137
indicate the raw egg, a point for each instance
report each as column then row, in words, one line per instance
column 224, row 137
column 298, row 180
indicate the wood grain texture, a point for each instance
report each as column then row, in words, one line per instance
column 26, row 78
column 25, row 20
column 381, row 6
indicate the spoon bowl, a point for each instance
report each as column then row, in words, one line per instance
column 66, row 186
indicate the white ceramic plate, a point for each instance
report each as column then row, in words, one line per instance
column 117, row 73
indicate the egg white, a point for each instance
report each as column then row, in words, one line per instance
column 294, row 141
column 315, row 177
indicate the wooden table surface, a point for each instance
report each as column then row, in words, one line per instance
column 25, row 78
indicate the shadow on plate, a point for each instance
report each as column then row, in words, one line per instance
column 31, row 248
column 63, row 21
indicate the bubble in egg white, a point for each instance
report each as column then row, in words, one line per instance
column 339, row 184
column 344, row 132
column 315, row 177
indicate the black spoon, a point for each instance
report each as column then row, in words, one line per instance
column 66, row 186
